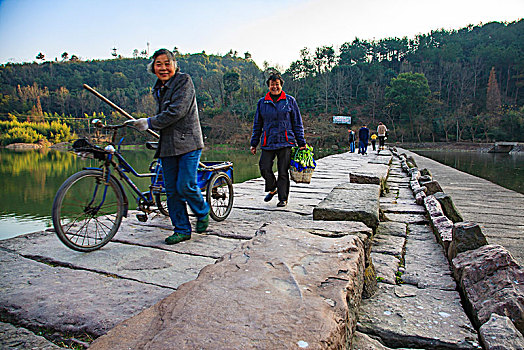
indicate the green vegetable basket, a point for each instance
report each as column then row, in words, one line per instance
column 302, row 164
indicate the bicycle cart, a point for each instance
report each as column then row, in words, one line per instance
column 89, row 206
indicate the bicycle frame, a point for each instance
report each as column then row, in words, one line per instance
column 123, row 167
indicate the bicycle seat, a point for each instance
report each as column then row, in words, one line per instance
column 151, row 144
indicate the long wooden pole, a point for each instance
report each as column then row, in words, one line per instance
column 117, row 108
column 124, row 113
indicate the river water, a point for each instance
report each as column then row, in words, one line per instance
column 506, row 170
column 30, row 179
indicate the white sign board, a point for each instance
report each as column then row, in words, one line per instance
column 341, row 119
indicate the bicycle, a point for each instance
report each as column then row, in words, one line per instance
column 89, row 206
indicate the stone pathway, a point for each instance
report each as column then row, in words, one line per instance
column 48, row 286
column 498, row 211
column 76, row 297
column 416, row 305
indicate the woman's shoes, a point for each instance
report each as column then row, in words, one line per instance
column 270, row 196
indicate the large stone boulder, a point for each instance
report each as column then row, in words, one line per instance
column 351, row 202
column 499, row 333
column 448, row 207
column 466, row 236
column 284, row 289
column 432, row 187
column 492, row 282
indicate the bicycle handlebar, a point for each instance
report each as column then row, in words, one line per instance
column 118, row 109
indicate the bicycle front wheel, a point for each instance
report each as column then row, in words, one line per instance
column 87, row 212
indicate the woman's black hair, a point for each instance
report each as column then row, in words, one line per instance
column 274, row 77
column 170, row 55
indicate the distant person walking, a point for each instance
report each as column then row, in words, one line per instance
column 351, row 137
column 279, row 124
column 363, row 140
column 374, row 141
column 381, row 131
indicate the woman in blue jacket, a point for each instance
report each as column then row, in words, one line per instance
column 278, row 127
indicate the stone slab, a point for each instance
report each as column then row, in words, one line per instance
column 370, row 173
column 392, row 228
column 38, row 295
column 160, row 267
column 499, row 333
column 12, row 337
column 388, row 244
column 405, row 316
column 401, row 208
column 406, row 218
column 386, row 267
column 283, row 289
column 426, row 265
column 351, row 202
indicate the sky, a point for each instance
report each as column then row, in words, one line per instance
column 273, row 31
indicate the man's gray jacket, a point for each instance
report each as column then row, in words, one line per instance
column 177, row 117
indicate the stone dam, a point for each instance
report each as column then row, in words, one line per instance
column 384, row 251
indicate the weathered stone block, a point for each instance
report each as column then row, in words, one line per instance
column 284, row 289
column 363, row 341
column 499, row 333
column 442, row 226
column 85, row 302
column 13, row 337
column 424, row 178
column 432, row 187
column 492, row 282
column 404, row 316
column 370, row 281
column 351, row 202
column 371, row 173
column 425, row 172
column 386, row 267
column 419, row 197
column 466, row 236
column 419, row 189
column 448, row 207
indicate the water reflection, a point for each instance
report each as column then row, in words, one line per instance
column 504, row 169
column 30, row 180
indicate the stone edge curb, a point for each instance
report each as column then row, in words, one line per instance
column 426, row 191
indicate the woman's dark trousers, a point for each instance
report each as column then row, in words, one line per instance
column 266, row 170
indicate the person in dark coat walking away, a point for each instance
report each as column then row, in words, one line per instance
column 180, row 144
column 351, row 141
column 278, row 124
column 363, row 139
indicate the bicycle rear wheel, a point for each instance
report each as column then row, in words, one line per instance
column 86, row 212
column 219, row 195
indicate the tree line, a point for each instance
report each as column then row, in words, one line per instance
column 447, row 85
